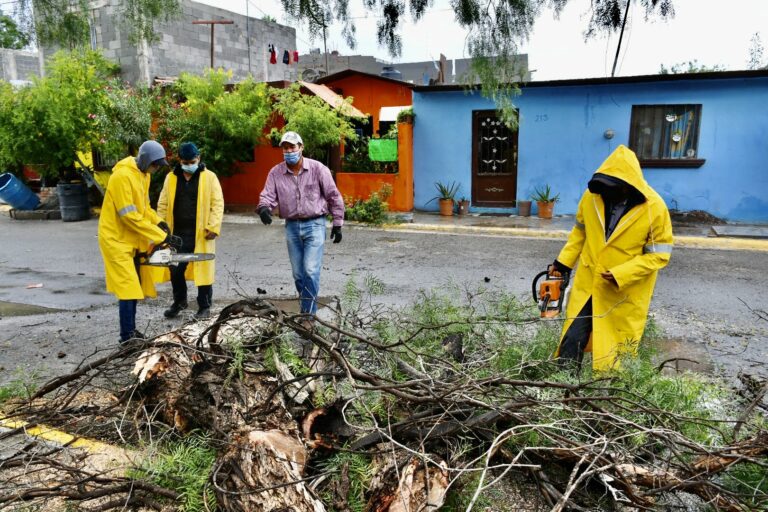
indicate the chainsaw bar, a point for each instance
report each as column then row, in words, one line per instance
column 169, row 260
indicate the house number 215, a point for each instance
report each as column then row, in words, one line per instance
column 540, row 118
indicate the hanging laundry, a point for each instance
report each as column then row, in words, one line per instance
column 295, row 56
column 272, row 54
column 286, row 57
column 290, row 57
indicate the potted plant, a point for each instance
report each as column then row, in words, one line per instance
column 406, row 115
column 545, row 200
column 463, row 207
column 445, row 195
column 523, row 208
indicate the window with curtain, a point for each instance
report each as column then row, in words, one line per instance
column 666, row 135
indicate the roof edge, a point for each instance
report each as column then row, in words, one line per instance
column 709, row 75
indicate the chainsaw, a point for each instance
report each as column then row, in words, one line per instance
column 167, row 255
column 550, row 294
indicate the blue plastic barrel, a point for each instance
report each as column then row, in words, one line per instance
column 17, row 194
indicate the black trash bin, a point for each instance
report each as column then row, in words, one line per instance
column 73, row 201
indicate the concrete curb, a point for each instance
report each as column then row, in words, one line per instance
column 693, row 242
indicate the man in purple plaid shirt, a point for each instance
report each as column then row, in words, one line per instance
column 304, row 192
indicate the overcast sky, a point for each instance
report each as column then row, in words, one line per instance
column 712, row 32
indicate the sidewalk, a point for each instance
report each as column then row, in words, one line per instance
column 750, row 237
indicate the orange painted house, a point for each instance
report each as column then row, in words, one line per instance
column 370, row 93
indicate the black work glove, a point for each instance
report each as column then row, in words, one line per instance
column 266, row 215
column 170, row 241
column 336, row 234
column 164, row 226
column 560, row 267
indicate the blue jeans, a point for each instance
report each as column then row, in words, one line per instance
column 127, row 319
column 306, row 239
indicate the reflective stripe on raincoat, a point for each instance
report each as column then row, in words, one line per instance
column 640, row 245
column 210, row 212
column 127, row 225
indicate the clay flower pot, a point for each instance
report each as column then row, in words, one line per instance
column 545, row 209
column 446, row 207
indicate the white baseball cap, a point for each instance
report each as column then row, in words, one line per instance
column 292, row 137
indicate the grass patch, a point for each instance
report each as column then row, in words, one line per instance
column 23, row 385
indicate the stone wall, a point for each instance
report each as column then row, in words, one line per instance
column 184, row 47
column 18, row 65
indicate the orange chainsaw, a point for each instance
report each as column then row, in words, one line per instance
column 550, row 293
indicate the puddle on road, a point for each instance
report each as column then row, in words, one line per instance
column 16, row 309
column 689, row 356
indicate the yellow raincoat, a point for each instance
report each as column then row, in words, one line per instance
column 128, row 225
column 210, row 211
column 639, row 246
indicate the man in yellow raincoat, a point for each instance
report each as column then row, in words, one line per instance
column 192, row 204
column 622, row 237
column 128, row 226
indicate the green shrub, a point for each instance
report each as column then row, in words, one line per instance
column 370, row 211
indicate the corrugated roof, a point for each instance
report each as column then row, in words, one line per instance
column 333, row 99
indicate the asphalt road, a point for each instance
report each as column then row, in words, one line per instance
column 702, row 301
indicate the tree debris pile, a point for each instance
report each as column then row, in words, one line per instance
column 426, row 408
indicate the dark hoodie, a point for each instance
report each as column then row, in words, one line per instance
column 619, row 197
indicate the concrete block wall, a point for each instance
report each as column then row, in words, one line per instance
column 184, row 47
column 18, row 65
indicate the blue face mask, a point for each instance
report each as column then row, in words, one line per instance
column 191, row 168
column 292, row 158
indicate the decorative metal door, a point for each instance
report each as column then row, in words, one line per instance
column 494, row 160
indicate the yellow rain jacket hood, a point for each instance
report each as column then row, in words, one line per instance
column 210, row 212
column 127, row 225
column 639, row 246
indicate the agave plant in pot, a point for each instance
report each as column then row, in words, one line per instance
column 446, row 194
column 545, row 200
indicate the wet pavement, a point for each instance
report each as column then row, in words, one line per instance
column 703, row 301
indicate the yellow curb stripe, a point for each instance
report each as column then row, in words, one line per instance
column 691, row 242
column 56, row 436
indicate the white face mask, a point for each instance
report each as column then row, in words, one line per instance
column 190, row 168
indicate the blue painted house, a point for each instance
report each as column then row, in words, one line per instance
column 702, row 140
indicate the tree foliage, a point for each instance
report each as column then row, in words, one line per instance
column 692, row 66
column 49, row 122
column 10, row 35
column 319, row 125
column 225, row 122
column 756, row 52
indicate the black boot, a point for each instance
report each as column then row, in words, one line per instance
column 175, row 309
column 203, row 313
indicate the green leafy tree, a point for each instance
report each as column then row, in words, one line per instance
column 124, row 119
column 496, row 28
column 319, row 125
column 225, row 122
column 756, row 52
column 10, row 35
column 49, row 122
column 692, row 66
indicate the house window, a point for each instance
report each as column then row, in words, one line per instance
column 666, row 135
